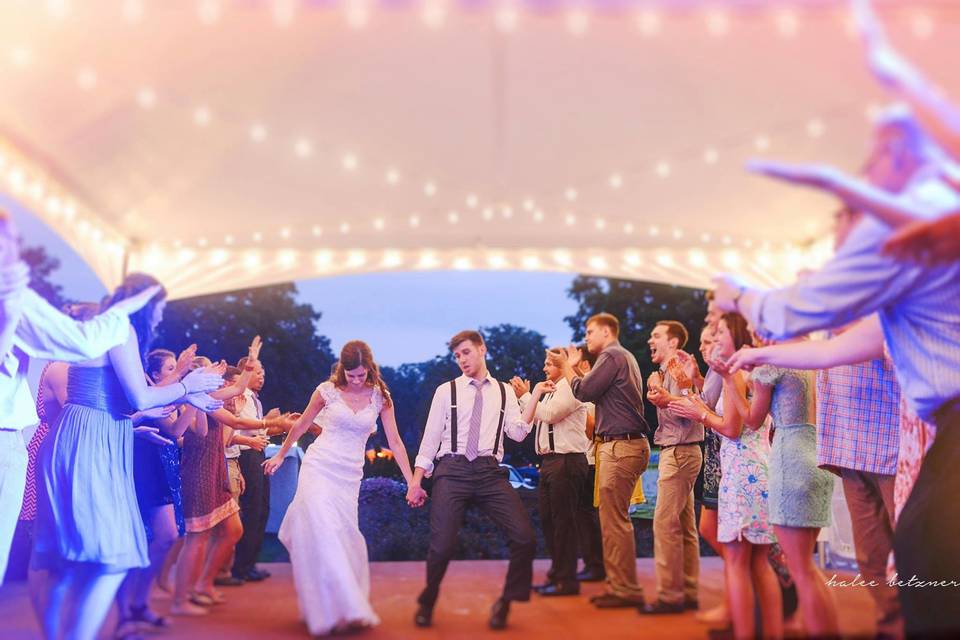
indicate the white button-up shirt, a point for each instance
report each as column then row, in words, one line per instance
column 250, row 410
column 436, row 433
column 46, row 334
column 565, row 415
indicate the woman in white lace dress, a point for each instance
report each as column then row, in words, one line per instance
column 321, row 529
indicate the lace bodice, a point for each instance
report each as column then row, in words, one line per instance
column 791, row 400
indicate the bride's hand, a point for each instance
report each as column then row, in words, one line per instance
column 416, row 496
column 270, row 466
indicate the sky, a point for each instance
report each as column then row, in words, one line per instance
column 405, row 317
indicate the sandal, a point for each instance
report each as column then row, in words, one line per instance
column 142, row 613
column 127, row 629
column 201, row 599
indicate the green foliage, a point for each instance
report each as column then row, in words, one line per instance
column 638, row 306
column 42, row 265
column 295, row 357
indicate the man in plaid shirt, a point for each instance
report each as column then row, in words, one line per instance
column 858, row 414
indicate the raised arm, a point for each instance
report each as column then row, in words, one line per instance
column 594, row 384
column 939, row 116
column 298, row 429
column 243, row 381
column 515, row 428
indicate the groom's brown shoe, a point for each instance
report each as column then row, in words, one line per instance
column 424, row 617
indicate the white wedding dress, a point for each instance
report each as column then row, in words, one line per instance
column 321, row 528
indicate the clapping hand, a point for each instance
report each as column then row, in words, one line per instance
column 218, row 368
column 520, row 387
column 185, row 359
column 201, row 381
column 690, row 407
column 543, row 388
column 203, row 402
column 253, row 353
column 258, row 442
column 416, row 496
column 689, row 365
column 151, row 435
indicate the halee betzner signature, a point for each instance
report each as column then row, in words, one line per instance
column 895, row 581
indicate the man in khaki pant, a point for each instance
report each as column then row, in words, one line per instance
column 676, row 543
column 614, row 385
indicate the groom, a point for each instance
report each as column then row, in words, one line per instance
column 464, row 435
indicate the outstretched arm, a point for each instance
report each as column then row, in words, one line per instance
column 864, row 341
column 299, row 428
column 129, row 369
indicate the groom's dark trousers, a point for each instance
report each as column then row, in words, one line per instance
column 458, row 483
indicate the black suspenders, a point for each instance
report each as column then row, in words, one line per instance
column 553, row 447
column 503, row 406
column 453, row 417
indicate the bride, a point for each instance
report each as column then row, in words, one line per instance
column 321, row 529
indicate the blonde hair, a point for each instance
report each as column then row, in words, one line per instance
column 357, row 353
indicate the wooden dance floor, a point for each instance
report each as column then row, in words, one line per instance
column 269, row 609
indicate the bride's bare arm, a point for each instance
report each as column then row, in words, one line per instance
column 396, row 443
column 299, row 428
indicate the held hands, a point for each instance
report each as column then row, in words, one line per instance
column 416, row 496
column 520, row 387
column 203, row 402
column 151, row 435
column 201, row 381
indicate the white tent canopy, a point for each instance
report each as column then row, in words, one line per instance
column 220, row 145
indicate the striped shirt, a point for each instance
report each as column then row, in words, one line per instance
column 858, row 415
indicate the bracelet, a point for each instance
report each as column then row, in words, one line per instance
column 185, row 392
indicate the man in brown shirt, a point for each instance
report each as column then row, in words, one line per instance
column 614, row 385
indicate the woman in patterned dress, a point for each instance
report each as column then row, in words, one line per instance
column 743, row 527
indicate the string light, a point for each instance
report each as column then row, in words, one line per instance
column 393, row 177
column 349, row 162
column 506, row 18
column 87, row 79
column 663, row 169
column 429, row 189
column 472, row 201
column 202, row 116
column 615, row 181
column 577, row 21
column 570, row 194
column 648, row 22
column 718, row 24
column 303, row 148
column 208, row 11
column 787, row 23
column 146, row 97
column 433, row 13
column 258, row 132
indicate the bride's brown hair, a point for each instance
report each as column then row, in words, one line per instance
column 357, row 353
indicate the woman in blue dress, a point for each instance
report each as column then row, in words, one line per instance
column 89, row 531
